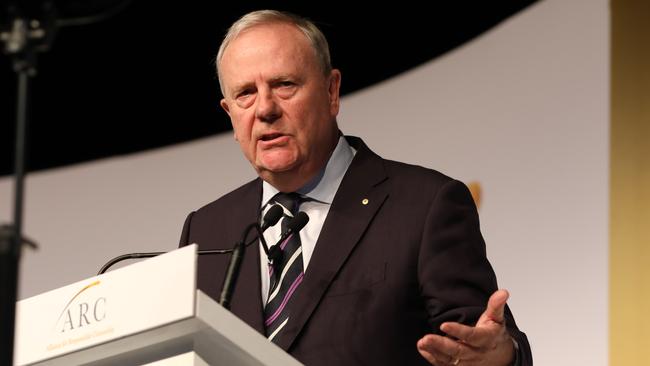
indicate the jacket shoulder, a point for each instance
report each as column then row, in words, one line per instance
column 414, row 176
column 220, row 223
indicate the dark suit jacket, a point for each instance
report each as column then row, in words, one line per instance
column 382, row 275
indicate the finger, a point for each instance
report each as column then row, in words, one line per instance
column 495, row 308
column 429, row 357
column 441, row 348
column 472, row 336
column 436, row 358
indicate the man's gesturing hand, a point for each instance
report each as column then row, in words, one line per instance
column 488, row 343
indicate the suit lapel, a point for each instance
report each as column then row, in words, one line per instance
column 247, row 301
column 357, row 201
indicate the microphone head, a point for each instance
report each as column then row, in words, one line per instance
column 298, row 222
column 272, row 216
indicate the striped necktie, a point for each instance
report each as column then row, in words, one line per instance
column 285, row 275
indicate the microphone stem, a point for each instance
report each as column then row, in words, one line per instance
column 232, row 273
column 125, row 257
column 260, row 235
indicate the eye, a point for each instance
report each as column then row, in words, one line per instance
column 245, row 98
column 285, row 88
column 245, row 93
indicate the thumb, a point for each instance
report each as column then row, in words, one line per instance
column 495, row 308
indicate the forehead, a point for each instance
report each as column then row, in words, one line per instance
column 267, row 48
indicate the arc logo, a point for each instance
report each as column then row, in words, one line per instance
column 82, row 310
column 477, row 192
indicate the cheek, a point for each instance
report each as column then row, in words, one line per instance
column 242, row 127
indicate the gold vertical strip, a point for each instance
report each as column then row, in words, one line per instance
column 629, row 312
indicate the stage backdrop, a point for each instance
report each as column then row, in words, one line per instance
column 521, row 111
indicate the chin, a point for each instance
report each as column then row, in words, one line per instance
column 279, row 169
column 278, row 164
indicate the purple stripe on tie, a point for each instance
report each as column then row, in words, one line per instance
column 293, row 287
column 270, row 269
column 284, row 243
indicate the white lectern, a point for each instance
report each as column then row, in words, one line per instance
column 148, row 313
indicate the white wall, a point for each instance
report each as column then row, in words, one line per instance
column 523, row 109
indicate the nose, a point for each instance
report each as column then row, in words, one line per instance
column 267, row 109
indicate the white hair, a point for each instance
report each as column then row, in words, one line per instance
column 262, row 17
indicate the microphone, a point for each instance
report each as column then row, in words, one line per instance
column 299, row 221
column 232, row 272
column 293, row 227
column 274, row 255
column 271, row 218
column 273, row 215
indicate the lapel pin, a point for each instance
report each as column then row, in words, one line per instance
column 364, row 201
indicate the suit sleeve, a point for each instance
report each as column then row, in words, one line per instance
column 455, row 277
column 185, row 234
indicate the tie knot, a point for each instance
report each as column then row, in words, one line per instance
column 291, row 201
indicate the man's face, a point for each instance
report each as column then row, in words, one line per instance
column 281, row 105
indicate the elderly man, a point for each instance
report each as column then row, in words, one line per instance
column 391, row 267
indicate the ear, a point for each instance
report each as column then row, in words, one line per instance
column 226, row 107
column 334, row 88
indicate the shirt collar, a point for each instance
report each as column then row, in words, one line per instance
column 325, row 184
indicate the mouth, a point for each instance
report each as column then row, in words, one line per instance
column 272, row 140
column 270, row 136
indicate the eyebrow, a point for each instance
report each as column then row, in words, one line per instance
column 293, row 78
column 282, row 78
column 239, row 88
